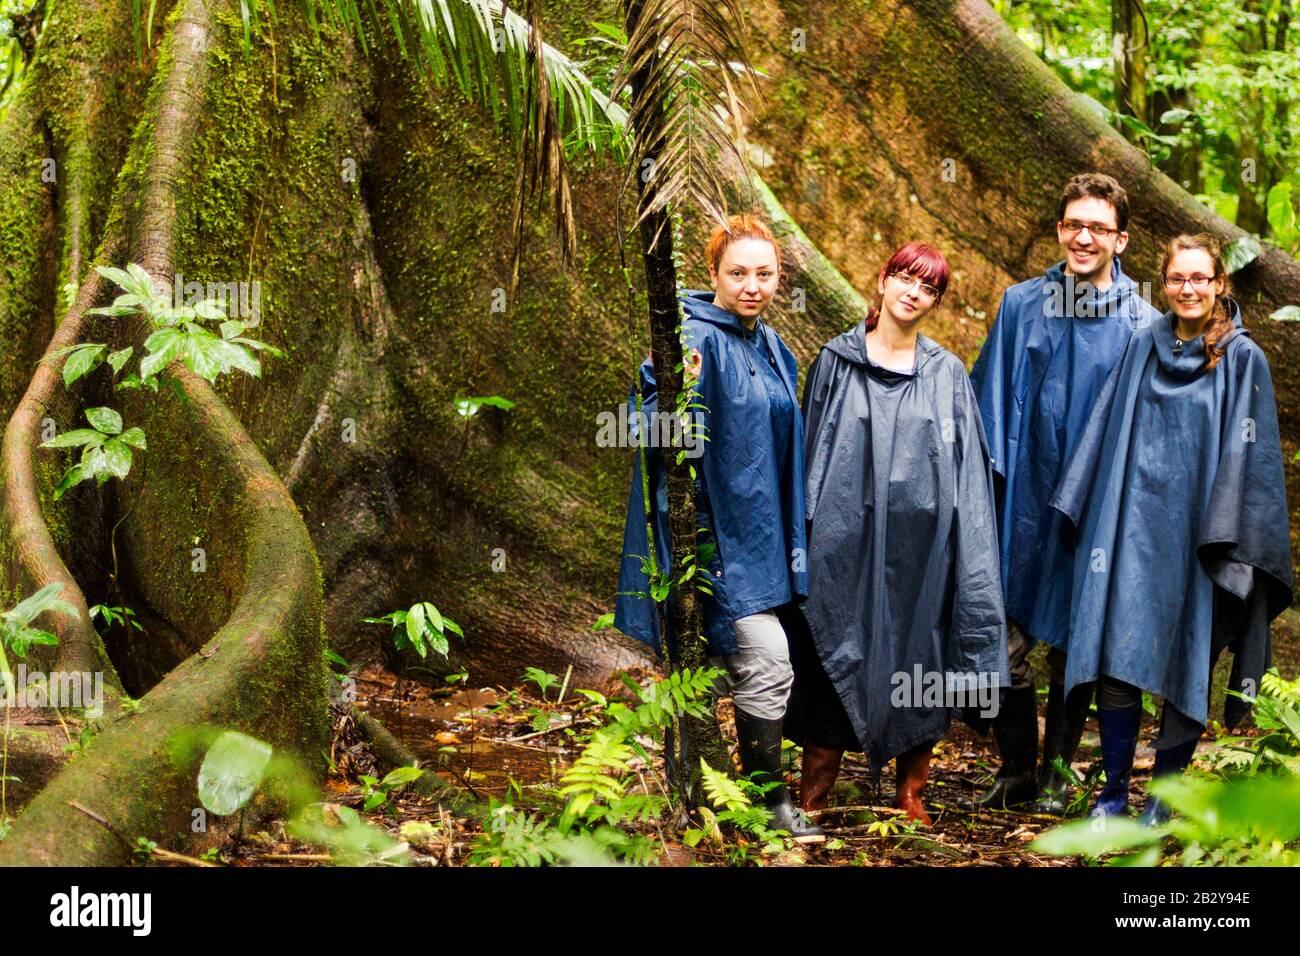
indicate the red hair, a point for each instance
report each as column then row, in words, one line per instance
column 924, row 262
column 742, row 226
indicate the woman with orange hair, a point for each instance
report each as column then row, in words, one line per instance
column 749, row 495
column 1178, row 499
column 904, row 611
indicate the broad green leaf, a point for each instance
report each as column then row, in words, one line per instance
column 95, row 463
column 401, row 776
column 1175, row 117
column 1150, row 856
column 104, row 419
column 259, row 346
column 133, row 437
column 123, row 279
column 67, row 349
column 83, row 360
column 73, row 476
column 231, row 771
column 1240, row 253
column 119, row 358
column 1096, row 836
column 1281, row 214
column 1266, row 806
column 117, row 457
column 162, row 346
column 210, row 309
column 235, row 355
column 22, row 640
column 33, row 606
column 141, row 284
column 415, row 628
column 1288, row 313
column 78, row 436
column 198, row 353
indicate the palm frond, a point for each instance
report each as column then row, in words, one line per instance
column 684, row 61
column 485, row 49
column 542, row 162
column 496, row 57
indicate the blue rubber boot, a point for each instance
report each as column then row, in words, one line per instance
column 1169, row 762
column 1119, row 731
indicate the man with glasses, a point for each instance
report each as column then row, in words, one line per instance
column 1053, row 344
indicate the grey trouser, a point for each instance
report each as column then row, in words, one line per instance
column 759, row 675
column 1018, row 646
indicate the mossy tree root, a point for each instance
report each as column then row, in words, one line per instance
column 262, row 671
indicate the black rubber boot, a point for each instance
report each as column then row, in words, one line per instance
column 760, row 758
column 1016, row 730
column 1065, row 719
column 1169, row 762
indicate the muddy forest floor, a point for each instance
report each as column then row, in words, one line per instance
column 503, row 742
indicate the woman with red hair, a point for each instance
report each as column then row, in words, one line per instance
column 904, row 614
column 749, row 496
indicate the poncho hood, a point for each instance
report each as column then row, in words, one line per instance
column 852, row 347
column 1088, row 302
column 1186, row 360
column 702, row 305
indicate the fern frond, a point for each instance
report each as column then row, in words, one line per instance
column 1275, row 685
column 596, row 774
column 721, row 790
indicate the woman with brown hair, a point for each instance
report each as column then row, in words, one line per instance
column 1177, row 496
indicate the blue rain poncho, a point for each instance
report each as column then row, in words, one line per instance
column 1178, row 496
column 1043, row 364
column 749, row 484
column 902, row 549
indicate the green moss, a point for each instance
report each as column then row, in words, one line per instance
column 261, row 674
column 26, row 245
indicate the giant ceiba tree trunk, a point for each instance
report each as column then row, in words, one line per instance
column 373, row 211
column 929, row 119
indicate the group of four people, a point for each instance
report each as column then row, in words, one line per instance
column 1107, row 480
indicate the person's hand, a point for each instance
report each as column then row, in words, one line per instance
column 692, row 367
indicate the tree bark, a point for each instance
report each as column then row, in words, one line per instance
column 692, row 737
column 1129, row 40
